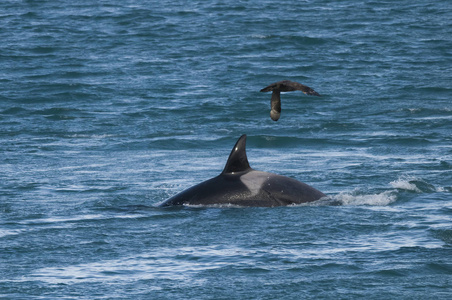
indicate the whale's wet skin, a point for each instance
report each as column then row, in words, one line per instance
column 238, row 184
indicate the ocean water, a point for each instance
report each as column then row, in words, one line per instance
column 107, row 108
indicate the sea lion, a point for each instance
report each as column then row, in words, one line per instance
column 284, row 86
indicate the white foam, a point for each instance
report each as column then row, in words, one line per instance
column 6, row 232
column 405, row 184
column 414, row 184
column 381, row 199
column 62, row 220
column 167, row 263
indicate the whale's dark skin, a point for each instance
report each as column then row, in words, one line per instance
column 240, row 185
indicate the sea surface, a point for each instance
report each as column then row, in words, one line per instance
column 107, row 108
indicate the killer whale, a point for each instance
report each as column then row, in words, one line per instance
column 240, row 185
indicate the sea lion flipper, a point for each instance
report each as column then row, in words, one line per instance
column 308, row 91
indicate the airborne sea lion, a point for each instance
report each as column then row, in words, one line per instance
column 284, row 86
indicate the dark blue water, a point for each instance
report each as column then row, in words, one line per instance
column 107, row 108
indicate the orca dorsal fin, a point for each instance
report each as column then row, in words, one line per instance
column 237, row 161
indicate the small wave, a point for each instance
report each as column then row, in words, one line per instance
column 261, row 36
column 180, row 264
column 13, row 111
column 405, row 185
column 300, row 39
column 57, row 111
column 6, row 232
column 414, row 184
column 357, row 198
column 444, row 234
column 54, row 221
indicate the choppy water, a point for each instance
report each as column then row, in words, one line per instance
column 108, row 108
